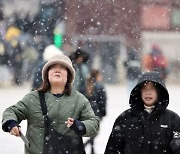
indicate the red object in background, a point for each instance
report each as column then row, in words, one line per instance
column 155, row 17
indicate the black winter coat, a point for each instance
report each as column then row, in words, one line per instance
column 132, row 65
column 137, row 132
column 37, row 78
column 98, row 100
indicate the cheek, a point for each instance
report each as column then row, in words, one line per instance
column 155, row 96
column 65, row 73
column 142, row 95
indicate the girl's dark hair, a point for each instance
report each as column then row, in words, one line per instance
column 91, row 81
column 45, row 86
column 79, row 53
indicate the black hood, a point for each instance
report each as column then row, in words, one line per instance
column 135, row 100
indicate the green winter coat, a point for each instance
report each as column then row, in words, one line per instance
column 59, row 109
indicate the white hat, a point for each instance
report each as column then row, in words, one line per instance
column 50, row 51
column 59, row 59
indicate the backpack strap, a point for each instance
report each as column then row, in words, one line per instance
column 44, row 112
column 42, row 102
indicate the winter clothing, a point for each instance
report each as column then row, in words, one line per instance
column 156, row 61
column 79, row 59
column 16, row 61
column 98, row 104
column 98, row 100
column 53, row 138
column 96, row 94
column 69, row 113
column 59, row 109
column 132, row 66
column 82, row 74
column 37, row 78
column 50, row 51
column 137, row 131
column 59, row 59
column 12, row 33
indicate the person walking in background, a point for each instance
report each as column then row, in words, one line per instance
column 49, row 52
column 148, row 126
column 79, row 59
column 57, row 115
column 132, row 66
column 15, row 51
column 96, row 94
column 16, row 60
column 156, row 61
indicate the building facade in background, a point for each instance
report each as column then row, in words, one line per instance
column 160, row 22
column 137, row 23
column 129, row 19
column 140, row 22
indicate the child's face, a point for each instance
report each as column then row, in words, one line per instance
column 149, row 94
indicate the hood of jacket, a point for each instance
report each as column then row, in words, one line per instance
column 135, row 100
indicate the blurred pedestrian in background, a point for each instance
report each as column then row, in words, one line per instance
column 147, row 127
column 57, row 115
column 156, row 61
column 49, row 52
column 7, row 76
column 96, row 94
column 14, row 52
column 79, row 59
column 132, row 67
column 16, row 61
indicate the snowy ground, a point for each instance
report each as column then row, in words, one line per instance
column 117, row 102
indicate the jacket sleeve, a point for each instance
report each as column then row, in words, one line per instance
column 8, row 125
column 175, row 142
column 88, row 118
column 16, row 113
column 79, row 128
column 115, row 144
